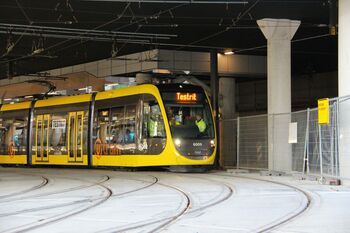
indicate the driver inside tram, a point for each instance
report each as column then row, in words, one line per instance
column 200, row 123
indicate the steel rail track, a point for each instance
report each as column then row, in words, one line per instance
column 44, row 182
column 219, row 200
column 284, row 220
column 104, row 179
column 167, row 221
column 211, row 204
column 180, row 214
column 164, row 221
column 68, row 214
column 50, row 220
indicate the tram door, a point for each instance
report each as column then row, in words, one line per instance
column 42, row 137
column 75, row 136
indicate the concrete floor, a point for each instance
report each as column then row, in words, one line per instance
column 98, row 200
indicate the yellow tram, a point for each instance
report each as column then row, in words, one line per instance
column 139, row 126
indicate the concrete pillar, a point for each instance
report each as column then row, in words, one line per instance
column 227, row 107
column 227, row 100
column 279, row 33
column 344, row 87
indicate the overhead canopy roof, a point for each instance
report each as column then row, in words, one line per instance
column 43, row 35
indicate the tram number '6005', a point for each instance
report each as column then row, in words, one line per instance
column 197, row 144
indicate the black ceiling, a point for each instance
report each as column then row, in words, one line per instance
column 197, row 26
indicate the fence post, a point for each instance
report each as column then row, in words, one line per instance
column 237, row 142
column 273, row 142
column 320, row 150
column 332, row 138
column 306, row 144
column 337, row 141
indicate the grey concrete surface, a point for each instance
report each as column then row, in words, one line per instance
column 100, row 200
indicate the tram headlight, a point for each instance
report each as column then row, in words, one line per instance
column 212, row 143
column 177, row 142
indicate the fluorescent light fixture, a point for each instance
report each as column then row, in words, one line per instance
column 229, row 52
column 37, row 51
column 87, row 89
column 161, row 71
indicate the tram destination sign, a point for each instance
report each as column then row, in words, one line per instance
column 183, row 97
column 186, row 97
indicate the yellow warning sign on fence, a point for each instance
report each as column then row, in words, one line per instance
column 323, row 111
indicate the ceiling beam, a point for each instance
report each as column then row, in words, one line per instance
column 77, row 31
column 177, row 1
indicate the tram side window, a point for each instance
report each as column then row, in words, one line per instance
column 114, row 126
column 128, row 125
column 111, row 125
column 153, row 138
column 13, row 132
column 102, row 127
column 130, row 119
column 153, row 120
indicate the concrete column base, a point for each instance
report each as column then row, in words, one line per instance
column 279, row 33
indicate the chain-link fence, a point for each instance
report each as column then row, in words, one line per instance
column 299, row 148
column 322, row 144
column 262, row 142
column 252, row 142
column 228, row 142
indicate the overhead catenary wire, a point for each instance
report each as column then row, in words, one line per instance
column 292, row 41
column 23, row 12
column 76, row 37
column 98, row 27
column 65, row 41
column 239, row 17
column 177, row 1
column 76, row 30
column 194, row 45
column 127, row 25
column 77, row 34
column 221, row 48
column 125, row 43
column 29, row 21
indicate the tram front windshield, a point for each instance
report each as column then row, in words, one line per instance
column 189, row 115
